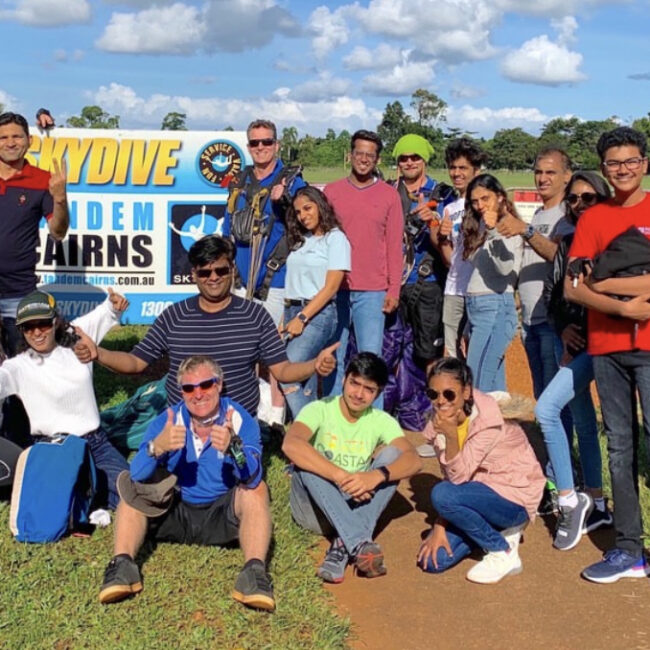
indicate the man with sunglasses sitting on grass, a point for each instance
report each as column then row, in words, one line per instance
column 235, row 332
column 196, row 479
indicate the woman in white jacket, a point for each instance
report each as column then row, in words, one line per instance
column 55, row 387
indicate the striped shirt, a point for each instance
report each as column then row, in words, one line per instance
column 237, row 338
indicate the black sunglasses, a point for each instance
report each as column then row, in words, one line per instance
column 433, row 395
column 45, row 324
column 412, row 157
column 265, row 142
column 219, row 271
column 587, row 198
column 206, row 384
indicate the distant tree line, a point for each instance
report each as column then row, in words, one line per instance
column 511, row 149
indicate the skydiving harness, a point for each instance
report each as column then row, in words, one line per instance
column 248, row 224
column 414, row 227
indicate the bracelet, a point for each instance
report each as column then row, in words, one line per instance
column 385, row 472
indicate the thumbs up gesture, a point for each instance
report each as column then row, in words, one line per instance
column 171, row 438
column 85, row 348
column 118, row 302
column 220, row 434
column 325, row 362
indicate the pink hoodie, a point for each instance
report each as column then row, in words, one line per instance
column 498, row 454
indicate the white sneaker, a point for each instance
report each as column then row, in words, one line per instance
column 264, row 408
column 495, row 566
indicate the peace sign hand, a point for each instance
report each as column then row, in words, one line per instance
column 58, row 181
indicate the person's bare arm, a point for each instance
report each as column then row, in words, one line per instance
column 60, row 220
column 122, row 362
column 510, row 226
column 632, row 286
column 289, row 372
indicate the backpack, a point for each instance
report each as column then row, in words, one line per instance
column 53, row 489
column 126, row 423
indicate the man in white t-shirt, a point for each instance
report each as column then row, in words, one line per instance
column 541, row 238
column 337, row 488
column 464, row 159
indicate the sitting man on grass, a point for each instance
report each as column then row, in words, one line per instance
column 337, row 488
column 196, row 479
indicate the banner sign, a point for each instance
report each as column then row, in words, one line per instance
column 138, row 201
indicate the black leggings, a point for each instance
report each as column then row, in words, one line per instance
column 9, row 453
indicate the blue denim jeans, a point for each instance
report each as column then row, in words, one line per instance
column 320, row 506
column 571, row 386
column 493, row 323
column 318, row 333
column 109, row 463
column 618, row 377
column 475, row 514
column 363, row 311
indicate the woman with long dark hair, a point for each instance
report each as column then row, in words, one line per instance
column 319, row 258
column 55, row 387
column 492, row 480
column 571, row 385
column 490, row 292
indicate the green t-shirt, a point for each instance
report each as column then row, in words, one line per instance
column 349, row 445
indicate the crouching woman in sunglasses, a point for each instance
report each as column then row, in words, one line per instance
column 492, row 479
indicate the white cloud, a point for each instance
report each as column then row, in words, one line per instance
column 452, row 30
column 461, row 91
column 61, row 56
column 383, row 56
column 545, row 62
column 330, row 30
column 401, row 80
column 486, row 121
column 554, row 8
column 323, row 88
column 45, row 13
column 214, row 113
column 9, row 102
column 185, row 29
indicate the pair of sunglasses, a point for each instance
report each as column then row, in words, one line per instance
column 206, row 384
column 265, row 142
column 412, row 157
column 448, row 394
column 587, row 198
column 40, row 324
column 219, row 271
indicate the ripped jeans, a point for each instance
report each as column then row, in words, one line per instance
column 318, row 333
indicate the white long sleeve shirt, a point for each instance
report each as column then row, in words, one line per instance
column 56, row 388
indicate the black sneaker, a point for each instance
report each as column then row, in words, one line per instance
column 253, row 587
column 571, row 521
column 598, row 519
column 121, row 579
column 369, row 560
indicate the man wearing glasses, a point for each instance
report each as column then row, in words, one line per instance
column 254, row 220
column 235, row 332
column 618, row 336
column 370, row 212
column 196, row 479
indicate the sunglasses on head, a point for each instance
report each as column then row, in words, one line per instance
column 587, row 198
column 219, row 271
column 206, row 384
column 265, row 142
column 40, row 324
column 411, row 157
column 433, row 395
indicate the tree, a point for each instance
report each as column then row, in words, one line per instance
column 429, row 107
column 174, row 122
column 512, row 149
column 94, row 117
column 289, row 144
column 643, row 125
column 394, row 124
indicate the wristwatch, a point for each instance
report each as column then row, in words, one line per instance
column 302, row 318
column 529, row 232
column 150, row 449
column 385, row 472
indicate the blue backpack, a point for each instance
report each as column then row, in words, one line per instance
column 53, row 489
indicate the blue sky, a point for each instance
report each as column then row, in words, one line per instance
column 497, row 63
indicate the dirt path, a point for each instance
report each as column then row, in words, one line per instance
column 547, row 606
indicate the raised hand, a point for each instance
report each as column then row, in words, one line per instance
column 171, row 438
column 277, row 191
column 326, row 360
column 58, row 181
column 118, row 301
column 221, row 434
column 85, row 348
column 446, row 227
column 510, row 226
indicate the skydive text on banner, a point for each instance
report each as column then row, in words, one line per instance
column 138, row 201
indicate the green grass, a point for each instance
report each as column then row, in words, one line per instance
column 49, row 595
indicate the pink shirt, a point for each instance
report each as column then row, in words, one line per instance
column 372, row 219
